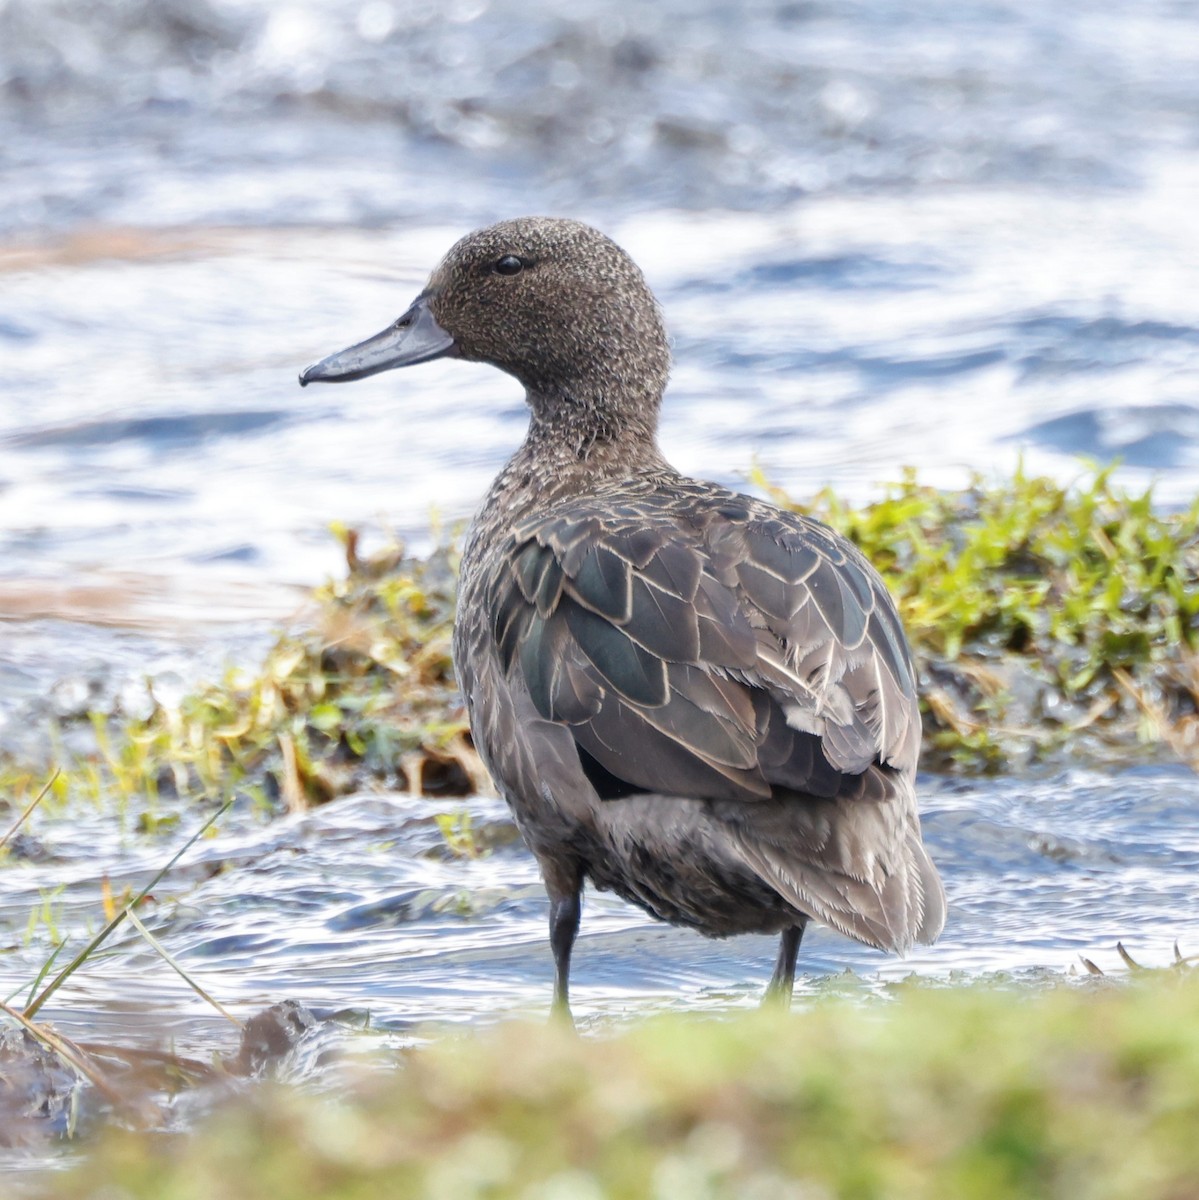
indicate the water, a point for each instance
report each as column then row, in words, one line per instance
column 951, row 238
column 360, row 905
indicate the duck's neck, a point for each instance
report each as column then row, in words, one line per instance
column 582, row 428
column 571, row 448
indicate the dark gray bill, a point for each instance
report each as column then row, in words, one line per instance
column 414, row 338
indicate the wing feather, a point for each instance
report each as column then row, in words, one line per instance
column 750, row 649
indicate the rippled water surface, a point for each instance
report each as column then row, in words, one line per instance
column 360, row 905
column 949, row 238
column 944, row 239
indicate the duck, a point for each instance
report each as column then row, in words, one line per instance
column 690, row 697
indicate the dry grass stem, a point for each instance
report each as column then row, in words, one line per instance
column 1182, row 737
column 164, row 954
column 30, row 807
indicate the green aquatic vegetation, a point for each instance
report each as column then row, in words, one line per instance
column 45, row 917
column 363, row 689
column 1040, row 614
column 1081, row 1092
column 459, row 834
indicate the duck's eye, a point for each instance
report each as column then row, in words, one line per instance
column 509, row 265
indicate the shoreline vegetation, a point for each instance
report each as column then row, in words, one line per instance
column 1051, row 624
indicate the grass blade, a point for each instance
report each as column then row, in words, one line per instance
column 1130, row 962
column 162, row 952
column 88, row 950
column 37, row 983
column 30, row 807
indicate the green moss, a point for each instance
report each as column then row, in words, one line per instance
column 1077, row 1093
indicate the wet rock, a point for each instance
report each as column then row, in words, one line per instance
column 74, row 696
column 38, row 1091
column 272, row 1035
column 24, row 847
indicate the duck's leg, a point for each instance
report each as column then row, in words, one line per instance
column 565, row 909
column 782, row 982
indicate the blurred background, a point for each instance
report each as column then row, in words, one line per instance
column 941, row 235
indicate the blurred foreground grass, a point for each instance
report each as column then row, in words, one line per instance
column 1047, row 622
column 1085, row 1092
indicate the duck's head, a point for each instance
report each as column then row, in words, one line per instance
column 551, row 301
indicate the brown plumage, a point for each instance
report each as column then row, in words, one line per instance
column 687, row 696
